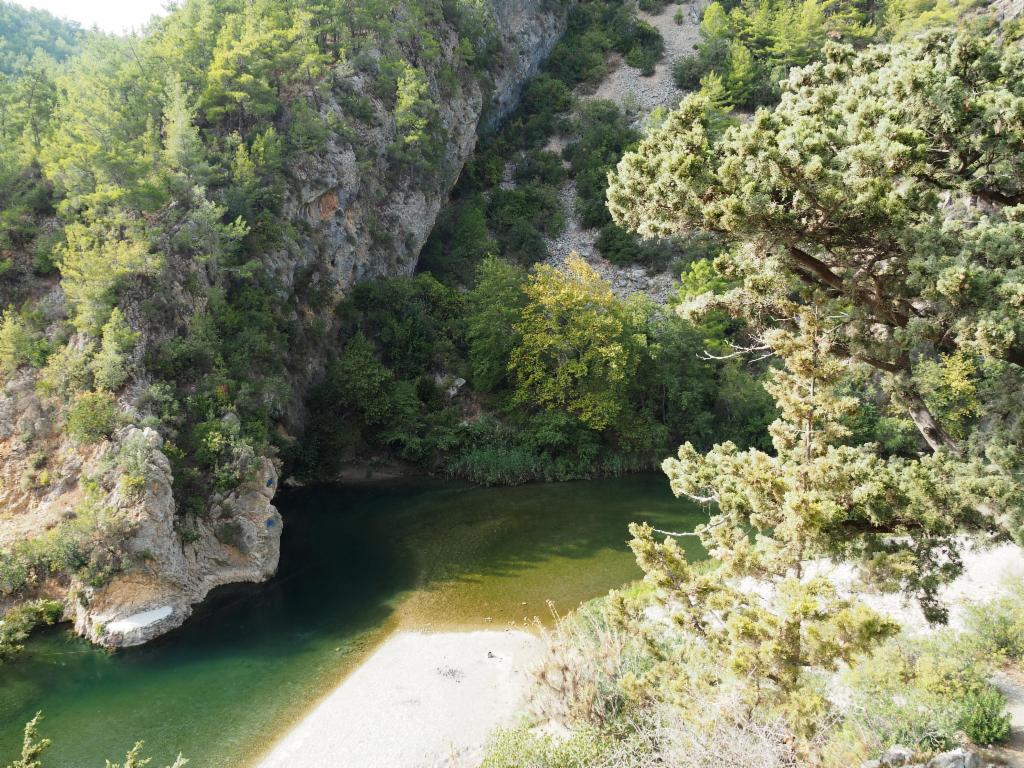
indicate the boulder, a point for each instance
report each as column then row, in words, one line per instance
column 961, row 757
column 896, row 756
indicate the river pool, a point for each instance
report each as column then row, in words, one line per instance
column 357, row 564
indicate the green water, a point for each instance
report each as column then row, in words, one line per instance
column 356, row 565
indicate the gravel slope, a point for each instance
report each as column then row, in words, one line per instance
column 637, row 95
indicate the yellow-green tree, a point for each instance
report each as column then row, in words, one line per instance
column 579, row 345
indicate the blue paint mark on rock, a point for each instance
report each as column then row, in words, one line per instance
column 270, row 482
column 271, row 522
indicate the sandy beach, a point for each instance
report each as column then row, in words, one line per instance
column 430, row 700
column 421, row 701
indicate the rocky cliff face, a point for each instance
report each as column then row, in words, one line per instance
column 360, row 216
column 366, row 220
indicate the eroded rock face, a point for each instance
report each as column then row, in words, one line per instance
column 238, row 540
column 365, row 216
column 359, row 215
column 371, row 219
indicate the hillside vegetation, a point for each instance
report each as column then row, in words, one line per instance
column 215, row 265
column 181, row 213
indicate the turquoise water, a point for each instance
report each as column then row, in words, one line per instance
column 357, row 564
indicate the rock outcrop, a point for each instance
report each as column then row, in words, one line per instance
column 236, row 541
column 903, row 757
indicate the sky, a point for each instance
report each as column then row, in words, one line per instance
column 108, row 15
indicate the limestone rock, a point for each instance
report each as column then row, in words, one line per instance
column 169, row 575
column 896, row 756
column 961, row 757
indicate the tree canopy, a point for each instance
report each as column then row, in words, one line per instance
column 888, row 184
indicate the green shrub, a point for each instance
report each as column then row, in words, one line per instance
column 687, row 72
column 522, row 748
column 983, row 716
column 230, row 533
column 21, row 341
column 997, row 626
column 646, row 48
column 109, row 367
column 18, row 623
column 923, row 693
column 85, row 545
column 622, row 247
column 67, row 372
column 603, row 135
column 132, row 457
column 92, row 417
column 540, row 167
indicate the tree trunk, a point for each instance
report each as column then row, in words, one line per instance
column 928, row 425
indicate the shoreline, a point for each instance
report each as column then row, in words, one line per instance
column 440, row 694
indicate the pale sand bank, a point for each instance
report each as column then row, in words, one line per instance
column 421, row 701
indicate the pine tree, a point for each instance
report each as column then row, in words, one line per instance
column 183, row 150
column 741, row 76
column 770, row 614
column 109, row 367
column 911, row 282
column 32, row 746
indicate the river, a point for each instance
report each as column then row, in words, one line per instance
column 357, row 564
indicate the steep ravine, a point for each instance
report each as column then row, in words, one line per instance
column 358, row 217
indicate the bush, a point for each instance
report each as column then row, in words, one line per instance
column 646, row 48
column 603, row 136
column 522, row 748
column 922, row 693
column 622, row 247
column 521, row 217
column 687, row 72
column 19, row 622
column 86, row 545
column 21, row 343
column 997, row 626
column 984, row 717
column 92, row 417
column 110, row 367
column 67, row 372
column 541, row 167
column 588, row 657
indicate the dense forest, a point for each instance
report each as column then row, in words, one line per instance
column 840, row 195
